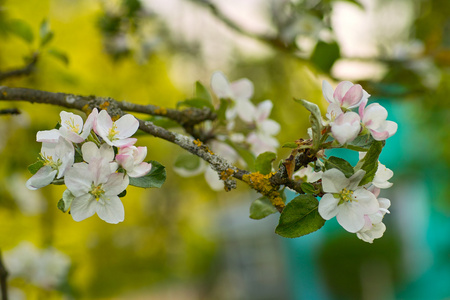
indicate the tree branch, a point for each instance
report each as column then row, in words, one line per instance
column 226, row 170
column 26, row 70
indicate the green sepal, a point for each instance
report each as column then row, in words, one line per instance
column 315, row 119
column 300, row 217
column 261, row 208
column 33, row 168
column 154, row 179
column 263, row 163
column 66, row 201
column 122, row 194
column 342, row 165
column 370, row 164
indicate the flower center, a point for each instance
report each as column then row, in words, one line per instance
column 113, row 133
column 97, row 191
column 72, row 126
column 345, row 196
column 48, row 161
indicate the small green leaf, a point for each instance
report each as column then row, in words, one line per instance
column 33, row 168
column 21, row 29
column 361, row 143
column 325, row 55
column 154, row 179
column 291, row 145
column 123, row 194
column 261, row 208
column 66, row 200
column 308, row 188
column 201, row 92
column 370, row 164
column 221, row 112
column 162, row 122
column 60, row 55
column 340, row 164
column 315, row 119
column 45, row 33
column 196, row 103
column 300, row 217
column 263, row 163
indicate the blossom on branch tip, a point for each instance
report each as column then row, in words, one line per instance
column 382, row 175
column 96, row 190
column 346, row 127
column 239, row 92
column 91, row 152
column 131, row 158
column 116, row 133
column 373, row 117
column 345, row 200
column 57, row 158
column 346, row 94
column 71, row 128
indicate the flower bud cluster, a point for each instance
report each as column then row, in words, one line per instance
column 84, row 156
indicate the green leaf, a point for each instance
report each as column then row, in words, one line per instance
column 315, row 119
column 60, row 55
column 188, row 162
column 33, row 168
column 308, row 188
column 123, row 194
column 263, row 163
column 370, row 164
column 66, row 200
column 340, row 164
column 201, row 92
column 21, row 29
column 291, row 145
column 361, row 143
column 154, row 179
column 300, row 217
column 196, row 103
column 325, row 55
column 261, row 208
column 221, row 112
column 45, row 33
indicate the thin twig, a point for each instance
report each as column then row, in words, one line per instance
column 26, row 70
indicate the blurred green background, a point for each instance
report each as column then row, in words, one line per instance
column 185, row 241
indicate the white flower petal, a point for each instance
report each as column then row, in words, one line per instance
column 103, row 124
column 263, row 111
column 327, row 91
column 110, row 209
column 242, row 89
column 355, row 179
column 334, row 181
column 328, row 206
column 127, row 125
column 212, row 178
column 245, row 110
column 116, row 184
column 43, row 177
column 71, row 121
column 78, row 179
column 367, row 202
column 49, row 136
column 83, row 207
column 140, row 170
column 90, row 151
column 220, row 85
column 89, row 124
column 270, row 127
column 350, row 217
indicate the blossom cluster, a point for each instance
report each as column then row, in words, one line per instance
column 95, row 161
column 247, row 125
column 354, row 202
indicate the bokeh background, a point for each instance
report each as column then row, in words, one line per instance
column 185, row 241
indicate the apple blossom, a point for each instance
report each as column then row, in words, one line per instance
column 91, row 152
column 307, row 174
column 382, row 175
column 346, row 127
column 239, row 92
column 345, row 200
column 71, row 128
column 131, row 158
column 373, row 226
column 116, row 133
column 95, row 190
column 57, row 158
column 347, row 94
column 373, row 117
